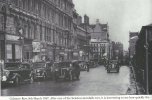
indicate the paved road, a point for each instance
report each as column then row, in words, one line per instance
column 95, row 82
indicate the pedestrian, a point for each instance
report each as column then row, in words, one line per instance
column 87, row 65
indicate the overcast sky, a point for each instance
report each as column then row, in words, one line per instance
column 121, row 15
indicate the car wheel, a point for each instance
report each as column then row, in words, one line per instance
column 56, row 78
column 77, row 77
column 32, row 79
column 71, row 77
column 118, row 71
column 44, row 77
column 16, row 81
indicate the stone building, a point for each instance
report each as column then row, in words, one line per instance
column 100, row 43
column 117, row 50
column 133, row 37
column 37, row 29
column 100, row 49
column 82, row 38
column 99, row 31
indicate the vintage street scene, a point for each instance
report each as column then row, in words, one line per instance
column 75, row 47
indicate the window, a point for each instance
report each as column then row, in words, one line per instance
column 9, row 51
column 17, row 52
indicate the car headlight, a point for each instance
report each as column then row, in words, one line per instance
column 37, row 71
column 4, row 78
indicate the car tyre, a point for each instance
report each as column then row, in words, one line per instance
column 56, row 78
column 44, row 77
column 77, row 77
column 31, row 79
column 108, row 71
column 71, row 77
column 16, row 81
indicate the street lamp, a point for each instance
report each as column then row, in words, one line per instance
column 146, row 47
column 21, row 39
column 54, row 51
column 87, row 49
column 21, row 50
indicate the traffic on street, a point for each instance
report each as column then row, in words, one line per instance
column 75, row 47
column 95, row 82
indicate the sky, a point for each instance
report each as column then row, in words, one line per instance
column 122, row 16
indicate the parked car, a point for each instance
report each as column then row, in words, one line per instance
column 15, row 73
column 66, row 70
column 42, row 70
column 83, row 65
column 92, row 64
column 113, row 66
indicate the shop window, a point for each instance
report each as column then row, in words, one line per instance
column 9, row 51
column 17, row 52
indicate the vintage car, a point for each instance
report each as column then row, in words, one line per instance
column 83, row 65
column 92, row 64
column 42, row 70
column 16, row 73
column 66, row 70
column 113, row 66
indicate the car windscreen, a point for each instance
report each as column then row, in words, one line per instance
column 38, row 65
column 11, row 65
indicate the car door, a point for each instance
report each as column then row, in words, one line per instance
column 26, row 71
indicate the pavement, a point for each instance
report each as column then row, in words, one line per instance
column 95, row 82
column 134, row 88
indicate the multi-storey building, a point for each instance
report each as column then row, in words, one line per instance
column 100, row 42
column 2, row 30
column 82, row 38
column 100, row 49
column 133, row 37
column 143, row 57
column 99, row 31
column 39, row 29
column 117, row 50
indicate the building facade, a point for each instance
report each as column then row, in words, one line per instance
column 100, row 43
column 117, row 50
column 100, row 49
column 140, row 62
column 37, row 29
column 82, row 38
column 133, row 37
column 99, row 31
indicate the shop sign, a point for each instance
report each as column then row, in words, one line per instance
column 36, row 46
column 27, row 47
column 75, row 54
column 12, row 37
column 61, row 53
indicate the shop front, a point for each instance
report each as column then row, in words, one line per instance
column 76, row 55
column 14, row 48
column 27, row 50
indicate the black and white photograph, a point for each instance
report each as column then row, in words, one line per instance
column 75, row 47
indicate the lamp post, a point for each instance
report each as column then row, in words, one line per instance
column 54, row 51
column 146, row 69
column 21, row 39
column 87, row 47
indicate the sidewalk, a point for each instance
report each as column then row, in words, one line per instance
column 134, row 88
